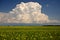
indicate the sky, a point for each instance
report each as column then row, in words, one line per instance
column 51, row 8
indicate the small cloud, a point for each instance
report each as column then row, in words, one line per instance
column 47, row 5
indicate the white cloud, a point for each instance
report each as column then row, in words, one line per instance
column 29, row 12
column 3, row 17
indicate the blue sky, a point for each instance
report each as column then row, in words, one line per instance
column 49, row 7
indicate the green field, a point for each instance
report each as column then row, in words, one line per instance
column 29, row 32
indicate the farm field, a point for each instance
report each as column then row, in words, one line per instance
column 29, row 32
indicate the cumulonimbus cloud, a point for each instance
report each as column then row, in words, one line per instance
column 29, row 12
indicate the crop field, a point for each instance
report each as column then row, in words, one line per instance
column 29, row 32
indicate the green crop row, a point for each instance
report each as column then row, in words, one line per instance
column 30, row 35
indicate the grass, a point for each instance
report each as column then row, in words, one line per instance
column 29, row 32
